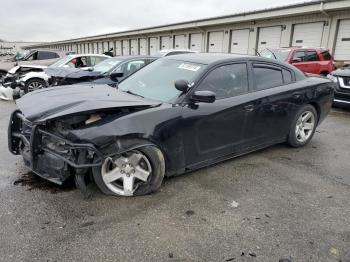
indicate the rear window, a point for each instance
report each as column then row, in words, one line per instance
column 326, row 55
column 267, row 77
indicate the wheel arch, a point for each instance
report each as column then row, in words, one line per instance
column 317, row 108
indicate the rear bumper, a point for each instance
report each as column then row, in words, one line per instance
column 46, row 154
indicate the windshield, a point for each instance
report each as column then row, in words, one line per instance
column 106, row 65
column 61, row 62
column 20, row 55
column 157, row 80
column 279, row 54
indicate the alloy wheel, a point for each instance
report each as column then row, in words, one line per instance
column 124, row 173
column 35, row 85
column 305, row 126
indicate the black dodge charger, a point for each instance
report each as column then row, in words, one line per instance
column 178, row 114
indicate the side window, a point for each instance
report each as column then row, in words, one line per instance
column 226, row 81
column 94, row 60
column 287, row 76
column 43, row 55
column 299, row 54
column 311, row 56
column 267, row 77
column 326, row 55
column 81, row 62
column 32, row 57
column 130, row 67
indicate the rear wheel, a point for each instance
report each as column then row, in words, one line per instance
column 33, row 85
column 137, row 172
column 303, row 127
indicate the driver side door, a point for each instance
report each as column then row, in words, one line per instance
column 214, row 130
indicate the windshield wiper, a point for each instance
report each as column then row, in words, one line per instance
column 132, row 93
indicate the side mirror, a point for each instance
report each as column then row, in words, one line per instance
column 182, row 85
column 203, row 96
column 297, row 60
column 115, row 76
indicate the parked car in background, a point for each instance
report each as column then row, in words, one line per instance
column 35, row 57
column 342, row 89
column 176, row 115
column 309, row 60
column 110, row 71
column 169, row 52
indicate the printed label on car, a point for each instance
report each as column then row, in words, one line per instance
column 190, row 67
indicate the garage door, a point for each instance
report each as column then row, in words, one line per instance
column 143, row 45
column 95, row 48
column 196, row 42
column 308, row 34
column 153, row 45
column 215, row 42
column 240, row 41
column 110, row 46
column 342, row 46
column 180, row 42
column 126, row 47
column 269, row 37
column 165, row 42
column 118, row 47
column 134, row 47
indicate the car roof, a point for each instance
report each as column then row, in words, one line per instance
column 207, row 58
column 80, row 55
column 131, row 57
column 300, row 48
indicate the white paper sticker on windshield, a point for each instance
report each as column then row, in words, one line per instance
column 190, row 67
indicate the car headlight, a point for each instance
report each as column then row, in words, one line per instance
column 332, row 78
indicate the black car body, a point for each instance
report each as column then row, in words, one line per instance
column 103, row 73
column 65, row 131
column 342, row 88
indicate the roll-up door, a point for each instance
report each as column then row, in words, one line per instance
column 216, row 42
column 180, row 42
column 269, row 37
column 126, row 47
column 143, row 45
column 309, row 34
column 118, row 47
column 342, row 45
column 165, row 42
column 240, row 41
column 134, row 47
column 196, row 42
column 153, row 45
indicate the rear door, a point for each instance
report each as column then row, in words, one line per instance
column 214, row 130
column 309, row 61
column 272, row 102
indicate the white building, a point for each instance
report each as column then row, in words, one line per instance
column 316, row 23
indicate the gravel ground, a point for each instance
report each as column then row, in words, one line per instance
column 273, row 204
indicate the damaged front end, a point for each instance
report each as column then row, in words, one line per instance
column 45, row 150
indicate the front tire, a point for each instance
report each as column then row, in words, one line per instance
column 33, row 85
column 303, row 127
column 134, row 173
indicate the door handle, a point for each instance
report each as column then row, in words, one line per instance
column 249, row 108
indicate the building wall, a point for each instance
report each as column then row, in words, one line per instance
column 286, row 18
column 14, row 46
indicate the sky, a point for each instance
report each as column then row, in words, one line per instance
column 53, row 20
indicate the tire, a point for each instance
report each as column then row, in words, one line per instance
column 302, row 131
column 116, row 173
column 33, row 85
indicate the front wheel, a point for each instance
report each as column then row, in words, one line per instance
column 134, row 173
column 33, row 85
column 303, row 127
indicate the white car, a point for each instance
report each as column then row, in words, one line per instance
column 37, row 78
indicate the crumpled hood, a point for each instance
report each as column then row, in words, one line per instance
column 345, row 72
column 51, row 103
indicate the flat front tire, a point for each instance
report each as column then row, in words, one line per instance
column 303, row 126
column 133, row 173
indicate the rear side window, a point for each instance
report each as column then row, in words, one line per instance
column 94, row 60
column 287, row 76
column 311, row 56
column 43, row 55
column 267, row 77
column 326, row 55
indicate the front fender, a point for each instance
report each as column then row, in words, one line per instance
column 31, row 75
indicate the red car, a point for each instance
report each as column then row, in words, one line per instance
column 309, row 60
